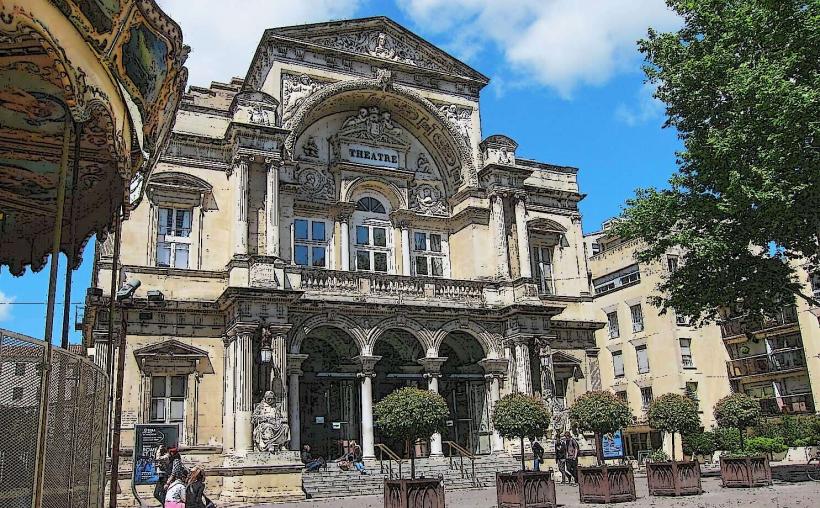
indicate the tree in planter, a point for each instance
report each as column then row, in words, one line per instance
column 601, row 413
column 699, row 443
column 674, row 413
column 411, row 414
column 519, row 415
column 738, row 411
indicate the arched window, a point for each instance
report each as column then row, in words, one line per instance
column 368, row 204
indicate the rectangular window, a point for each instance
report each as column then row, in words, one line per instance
column 681, row 320
column 427, row 253
column 362, row 260
column 672, row 263
column 374, row 249
column 622, row 396
column 637, row 317
column 616, row 280
column 691, row 390
column 167, row 399
column 379, row 261
column 309, row 243
column 646, row 396
column 362, row 235
column 618, row 363
column 612, row 319
column 542, row 269
column 17, row 393
column 19, row 369
column 686, row 354
column 643, row 359
column 173, row 237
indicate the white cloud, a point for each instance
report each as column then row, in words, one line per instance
column 5, row 306
column 223, row 35
column 647, row 108
column 557, row 43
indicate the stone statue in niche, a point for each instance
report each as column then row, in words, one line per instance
column 310, row 148
column 270, row 430
column 371, row 124
column 427, row 199
column 295, row 90
column 423, row 164
column 504, row 156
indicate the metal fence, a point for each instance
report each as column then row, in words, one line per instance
column 75, row 431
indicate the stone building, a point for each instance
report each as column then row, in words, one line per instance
column 335, row 226
column 645, row 353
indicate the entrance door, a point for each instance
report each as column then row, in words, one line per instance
column 469, row 424
column 330, row 414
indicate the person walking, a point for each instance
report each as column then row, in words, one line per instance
column 177, row 469
column 561, row 457
column 195, row 491
column 161, row 464
column 537, row 454
column 572, row 456
column 175, row 496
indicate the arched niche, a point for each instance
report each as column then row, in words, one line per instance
column 408, row 109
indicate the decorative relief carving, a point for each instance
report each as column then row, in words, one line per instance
column 423, row 164
column 310, row 148
column 382, row 45
column 459, row 118
column 427, row 199
column 315, row 183
column 295, row 90
column 372, row 124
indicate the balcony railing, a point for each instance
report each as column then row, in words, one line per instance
column 787, row 405
column 778, row 361
column 735, row 327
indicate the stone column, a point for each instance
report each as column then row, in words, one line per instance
column 495, row 369
column 405, row 248
column 272, row 208
column 367, row 375
column 241, row 210
column 228, row 444
column 594, row 369
column 432, row 372
column 243, row 388
column 294, row 415
column 344, row 227
column 498, row 230
column 523, row 374
column 525, row 267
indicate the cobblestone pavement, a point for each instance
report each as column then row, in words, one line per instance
column 781, row 495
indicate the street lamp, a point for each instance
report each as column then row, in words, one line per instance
column 265, row 353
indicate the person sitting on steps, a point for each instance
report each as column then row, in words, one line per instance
column 311, row 464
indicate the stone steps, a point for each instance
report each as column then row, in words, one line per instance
column 334, row 482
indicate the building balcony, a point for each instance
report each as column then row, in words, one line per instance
column 736, row 327
column 787, row 405
column 339, row 284
column 784, row 360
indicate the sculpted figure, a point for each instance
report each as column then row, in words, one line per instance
column 310, row 148
column 423, row 164
column 388, row 126
column 295, row 93
column 353, row 121
column 270, row 431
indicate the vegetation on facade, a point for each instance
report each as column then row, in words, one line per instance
column 411, row 414
column 599, row 412
column 741, row 88
column 738, row 411
column 674, row 413
column 519, row 415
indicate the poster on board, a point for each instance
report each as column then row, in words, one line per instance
column 612, row 445
column 147, row 438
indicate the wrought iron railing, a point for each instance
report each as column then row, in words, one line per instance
column 778, row 361
column 392, row 457
column 462, row 453
column 739, row 326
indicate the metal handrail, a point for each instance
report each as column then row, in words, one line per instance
column 462, row 452
column 391, row 456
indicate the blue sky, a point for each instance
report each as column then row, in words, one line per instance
column 566, row 84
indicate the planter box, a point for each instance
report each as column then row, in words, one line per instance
column 418, row 493
column 525, row 489
column 606, row 484
column 746, row 471
column 673, row 478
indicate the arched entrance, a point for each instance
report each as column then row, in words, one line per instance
column 398, row 367
column 329, row 398
column 464, row 388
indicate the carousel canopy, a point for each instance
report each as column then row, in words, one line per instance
column 91, row 86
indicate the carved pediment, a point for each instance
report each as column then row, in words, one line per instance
column 374, row 126
column 379, row 38
column 169, row 348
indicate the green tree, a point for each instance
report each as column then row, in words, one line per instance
column 699, row 443
column 519, row 415
column 741, row 84
column 601, row 413
column 411, row 414
column 738, row 411
column 674, row 413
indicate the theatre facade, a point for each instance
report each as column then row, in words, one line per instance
column 335, row 226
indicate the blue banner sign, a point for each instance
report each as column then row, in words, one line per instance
column 147, row 438
column 612, row 445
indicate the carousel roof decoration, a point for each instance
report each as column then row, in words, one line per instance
column 92, row 86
